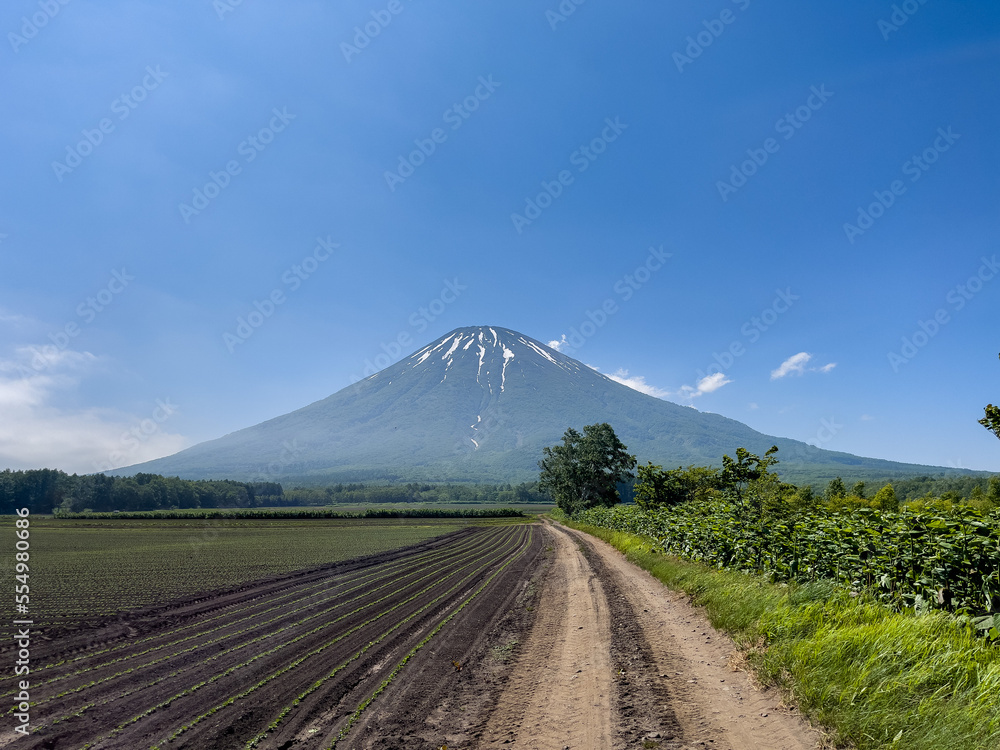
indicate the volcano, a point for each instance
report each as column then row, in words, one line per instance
column 479, row 404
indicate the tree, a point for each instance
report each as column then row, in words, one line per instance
column 704, row 481
column 886, row 498
column 737, row 475
column 992, row 419
column 993, row 491
column 586, row 469
column 657, row 488
column 859, row 489
column 836, row 489
column 804, row 498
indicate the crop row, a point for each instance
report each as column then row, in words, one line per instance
column 474, row 550
column 398, row 668
column 297, row 595
column 474, row 555
column 482, row 563
column 322, row 681
column 94, row 569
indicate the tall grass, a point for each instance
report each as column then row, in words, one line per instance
column 875, row 678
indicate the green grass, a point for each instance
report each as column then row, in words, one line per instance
column 324, row 511
column 875, row 678
column 85, row 569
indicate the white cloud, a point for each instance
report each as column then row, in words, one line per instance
column 796, row 364
column 638, row 383
column 35, row 434
column 867, row 417
column 557, row 343
column 11, row 318
column 708, row 384
column 752, row 406
column 711, row 383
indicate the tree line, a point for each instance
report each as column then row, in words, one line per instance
column 593, row 468
column 414, row 492
column 54, row 491
column 51, row 490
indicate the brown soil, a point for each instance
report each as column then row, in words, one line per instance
column 338, row 613
column 567, row 646
column 561, row 692
column 670, row 680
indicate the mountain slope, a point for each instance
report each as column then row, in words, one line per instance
column 479, row 404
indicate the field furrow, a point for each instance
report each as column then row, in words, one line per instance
column 304, row 650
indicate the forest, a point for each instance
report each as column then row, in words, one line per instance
column 51, row 490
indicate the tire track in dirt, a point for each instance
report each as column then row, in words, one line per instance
column 560, row 693
column 655, row 674
column 714, row 705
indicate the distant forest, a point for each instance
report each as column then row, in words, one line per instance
column 49, row 490
column 355, row 494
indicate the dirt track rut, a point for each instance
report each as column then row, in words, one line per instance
column 561, row 693
column 652, row 671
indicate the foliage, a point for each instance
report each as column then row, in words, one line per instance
column 885, row 499
column 738, row 475
column 655, row 487
column 879, row 679
column 991, row 421
column 836, row 489
column 415, row 492
column 586, row 469
column 49, row 490
column 270, row 513
column 804, row 499
column 905, row 559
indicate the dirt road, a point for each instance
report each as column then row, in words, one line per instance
column 561, row 691
column 616, row 660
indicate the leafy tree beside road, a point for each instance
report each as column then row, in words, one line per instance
column 656, row 487
column 586, row 469
column 992, row 419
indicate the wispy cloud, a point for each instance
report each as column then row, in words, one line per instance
column 797, row 365
column 34, row 433
column 708, row 384
column 638, row 383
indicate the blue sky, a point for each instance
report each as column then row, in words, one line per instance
column 785, row 212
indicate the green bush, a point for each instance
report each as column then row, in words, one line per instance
column 906, row 559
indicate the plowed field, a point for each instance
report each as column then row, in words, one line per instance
column 289, row 662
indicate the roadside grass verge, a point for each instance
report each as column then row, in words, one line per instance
column 874, row 678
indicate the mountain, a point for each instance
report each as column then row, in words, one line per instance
column 479, row 404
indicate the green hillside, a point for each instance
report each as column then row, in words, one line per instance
column 478, row 405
